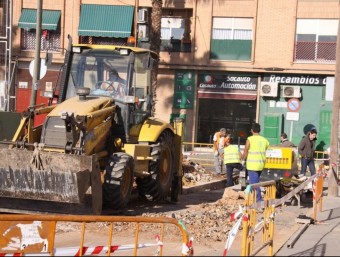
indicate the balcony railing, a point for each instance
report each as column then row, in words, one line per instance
column 315, row 52
column 50, row 42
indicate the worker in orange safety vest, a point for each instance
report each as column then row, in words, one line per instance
column 218, row 147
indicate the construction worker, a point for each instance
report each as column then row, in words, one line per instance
column 218, row 146
column 255, row 156
column 285, row 142
column 306, row 149
column 232, row 159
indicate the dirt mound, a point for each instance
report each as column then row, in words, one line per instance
column 204, row 222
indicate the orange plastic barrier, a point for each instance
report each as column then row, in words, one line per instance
column 35, row 235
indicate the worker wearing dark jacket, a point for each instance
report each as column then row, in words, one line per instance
column 306, row 151
column 285, row 142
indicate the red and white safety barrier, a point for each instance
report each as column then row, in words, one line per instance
column 314, row 187
column 19, row 254
column 86, row 251
column 187, row 249
column 160, row 246
column 232, row 233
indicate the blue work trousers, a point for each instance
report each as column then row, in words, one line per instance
column 307, row 162
column 254, row 177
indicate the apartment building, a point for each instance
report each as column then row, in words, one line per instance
column 223, row 63
column 5, row 50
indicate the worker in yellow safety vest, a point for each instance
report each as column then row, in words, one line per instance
column 255, row 156
column 232, row 159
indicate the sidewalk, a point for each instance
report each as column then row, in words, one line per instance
column 322, row 238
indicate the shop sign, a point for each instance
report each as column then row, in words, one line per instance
column 294, row 116
column 184, row 90
column 226, row 82
column 295, row 79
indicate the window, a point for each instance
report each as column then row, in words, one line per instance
column 50, row 40
column 2, row 53
column 50, row 34
column 231, row 39
column 172, row 28
column 316, row 40
column 3, row 18
column 175, row 30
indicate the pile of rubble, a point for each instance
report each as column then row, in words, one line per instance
column 204, row 222
column 209, row 221
column 194, row 172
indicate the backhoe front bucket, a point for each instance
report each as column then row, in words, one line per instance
column 48, row 176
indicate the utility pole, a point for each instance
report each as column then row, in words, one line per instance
column 36, row 71
column 136, row 22
column 335, row 137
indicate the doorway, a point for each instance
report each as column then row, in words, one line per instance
column 234, row 115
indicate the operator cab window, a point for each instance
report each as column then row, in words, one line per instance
column 104, row 72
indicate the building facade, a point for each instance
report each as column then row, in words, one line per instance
column 6, row 64
column 222, row 63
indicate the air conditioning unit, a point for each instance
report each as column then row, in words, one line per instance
column 291, row 91
column 268, row 89
column 143, row 15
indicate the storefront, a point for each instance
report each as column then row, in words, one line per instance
column 311, row 107
column 209, row 101
column 225, row 101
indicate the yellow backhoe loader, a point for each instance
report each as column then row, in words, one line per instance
column 97, row 140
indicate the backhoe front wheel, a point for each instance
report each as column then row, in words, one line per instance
column 118, row 181
column 157, row 186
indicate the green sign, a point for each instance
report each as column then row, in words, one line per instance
column 183, row 101
column 184, row 94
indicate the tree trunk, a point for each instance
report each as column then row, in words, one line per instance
column 155, row 41
column 334, row 151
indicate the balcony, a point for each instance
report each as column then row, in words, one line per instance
column 315, row 52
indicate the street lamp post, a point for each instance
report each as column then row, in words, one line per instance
column 335, row 130
column 136, row 22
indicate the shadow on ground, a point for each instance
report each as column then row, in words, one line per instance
column 138, row 206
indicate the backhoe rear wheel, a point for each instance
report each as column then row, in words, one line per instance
column 157, row 186
column 118, row 181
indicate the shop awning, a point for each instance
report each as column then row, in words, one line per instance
column 105, row 20
column 50, row 19
column 227, row 95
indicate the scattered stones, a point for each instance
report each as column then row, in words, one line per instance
column 206, row 221
column 232, row 194
column 209, row 220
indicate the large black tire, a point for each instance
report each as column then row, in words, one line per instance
column 157, row 185
column 118, row 181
